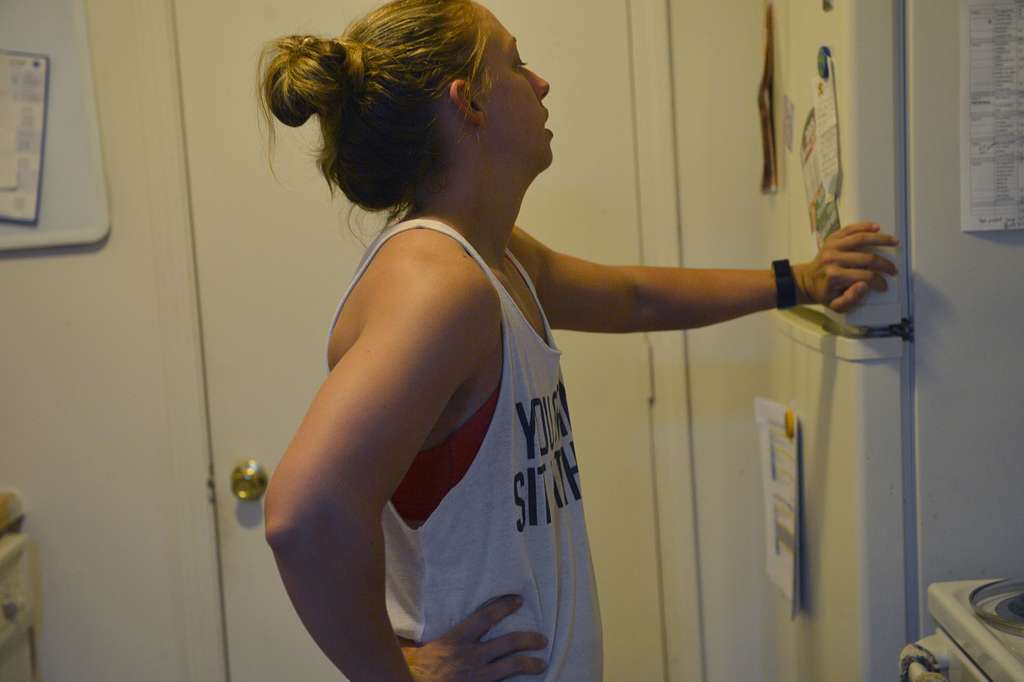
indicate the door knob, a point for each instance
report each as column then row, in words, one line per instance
column 11, row 608
column 249, row 480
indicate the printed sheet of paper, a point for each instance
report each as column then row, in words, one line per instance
column 779, row 439
column 827, row 121
column 992, row 115
column 823, row 209
column 8, row 136
column 809, row 160
column 21, row 134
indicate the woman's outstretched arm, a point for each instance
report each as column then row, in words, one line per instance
column 585, row 296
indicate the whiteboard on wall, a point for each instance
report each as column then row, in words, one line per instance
column 73, row 206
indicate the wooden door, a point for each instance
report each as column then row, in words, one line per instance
column 274, row 256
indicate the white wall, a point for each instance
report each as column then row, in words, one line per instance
column 103, row 415
column 726, row 222
column 968, row 319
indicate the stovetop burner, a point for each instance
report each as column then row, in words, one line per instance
column 1001, row 605
column 1012, row 608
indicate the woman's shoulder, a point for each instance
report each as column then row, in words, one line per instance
column 418, row 277
column 419, row 246
column 427, row 265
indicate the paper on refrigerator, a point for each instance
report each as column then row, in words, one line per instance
column 819, row 156
column 991, row 99
column 23, row 96
column 8, row 160
column 827, row 119
column 780, row 450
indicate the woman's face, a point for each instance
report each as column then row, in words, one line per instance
column 515, row 115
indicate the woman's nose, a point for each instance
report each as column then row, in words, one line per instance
column 544, row 87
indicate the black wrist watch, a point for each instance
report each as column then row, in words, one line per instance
column 785, row 284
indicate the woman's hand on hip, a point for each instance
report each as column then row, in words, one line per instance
column 844, row 270
column 459, row 656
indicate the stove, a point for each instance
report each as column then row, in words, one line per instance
column 981, row 624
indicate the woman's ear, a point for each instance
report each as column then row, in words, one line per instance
column 470, row 111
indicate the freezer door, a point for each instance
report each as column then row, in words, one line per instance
column 866, row 41
column 846, row 393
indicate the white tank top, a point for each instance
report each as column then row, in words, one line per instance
column 514, row 524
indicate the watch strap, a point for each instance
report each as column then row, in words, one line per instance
column 785, row 284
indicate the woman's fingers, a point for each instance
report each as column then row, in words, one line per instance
column 841, row 279
column 854, row 228
column 867, row 261
column 848, row 298
column 860, row 235
column 484, row 618
column 514, row 665
column 512, row 642
column 847, row 267
column 862, row 239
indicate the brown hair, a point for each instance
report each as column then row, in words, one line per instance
column 373, row 90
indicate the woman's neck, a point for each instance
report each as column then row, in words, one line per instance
column 479, row 211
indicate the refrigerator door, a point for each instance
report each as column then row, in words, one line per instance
column 846, row 393
column 866, row 41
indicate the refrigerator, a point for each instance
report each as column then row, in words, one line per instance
column 912, row 404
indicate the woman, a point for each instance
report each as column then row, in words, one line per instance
column 442, row 439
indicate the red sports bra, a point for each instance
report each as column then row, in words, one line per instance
column 436, row 471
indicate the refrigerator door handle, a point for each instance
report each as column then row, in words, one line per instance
column 823, row 334
column 904, row 330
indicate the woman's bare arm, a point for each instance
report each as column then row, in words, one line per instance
column 586, row 296
column 421, row 340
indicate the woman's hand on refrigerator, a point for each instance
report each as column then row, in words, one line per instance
column 844, row 271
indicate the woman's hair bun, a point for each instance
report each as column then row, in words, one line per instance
column 307, row 73
column 375, row 91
